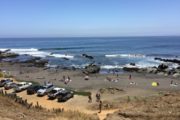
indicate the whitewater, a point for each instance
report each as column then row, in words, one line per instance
column 109, row 53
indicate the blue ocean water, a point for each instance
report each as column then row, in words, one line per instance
column 111, row 52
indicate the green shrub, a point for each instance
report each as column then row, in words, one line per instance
column 83, row 93
column 1, row 74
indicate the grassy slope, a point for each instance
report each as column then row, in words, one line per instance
column 163, row 107
column 9, row 110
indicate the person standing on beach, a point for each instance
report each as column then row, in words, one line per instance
column 100, row 106
column 130, row 77
column 98, row 97
column 90, row 98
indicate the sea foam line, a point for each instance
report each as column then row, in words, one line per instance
column 36, row 53
column 126, row 55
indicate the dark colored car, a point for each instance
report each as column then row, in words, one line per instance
column 55, row 92
column 9, row 85
column 64, row 96
column 33, row 89
column 4, row 81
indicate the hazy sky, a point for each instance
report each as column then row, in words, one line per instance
column 54, row 18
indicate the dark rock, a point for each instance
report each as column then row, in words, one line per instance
column 7, row 55
column 88, row 56
column 4, row 51
column 131, row 69
column 36, row 61
column 151, row 70
column 133, row 64
column 31, row 60
column 65, row 58
column 168, row 60
column 178, row 68
column 162, row 67
column 176, row 75
column 40, row 63
column 92, row 68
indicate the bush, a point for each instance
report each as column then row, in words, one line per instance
column 83, row 93
column 1, row 74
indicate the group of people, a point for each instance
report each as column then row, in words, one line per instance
column 111, row 80
column 98, row 99
column 66, row 80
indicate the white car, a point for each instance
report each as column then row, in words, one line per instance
column 46, row 89
column 55, row 92
column 22, row 86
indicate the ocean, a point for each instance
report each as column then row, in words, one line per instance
column 109, row 52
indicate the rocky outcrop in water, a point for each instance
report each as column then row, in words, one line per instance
column 131, row 69
column 162, row 69
column 87, row 56
column 40, row 63
column 91, row 69
column 4, row 55
column 36, row 61
column 168, row 60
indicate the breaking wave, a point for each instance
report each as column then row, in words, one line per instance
column 126, row 56
column 111, row 67
column 36, row 53
column 62, row 56
column 65, row 48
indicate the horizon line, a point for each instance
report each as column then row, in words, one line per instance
column 96, row 36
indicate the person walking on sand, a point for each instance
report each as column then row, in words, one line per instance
column 90, row 98
column 100, row 106
column 130, row 77
column 98, row 97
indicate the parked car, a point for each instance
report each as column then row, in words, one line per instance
column 33, row 89
column 10, row 85
column 45, row 89
column 22, row 86
column 4, row 81
column 64, row 96
column 55, row 92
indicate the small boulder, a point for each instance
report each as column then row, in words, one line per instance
column 151, row 70
column 40, row 63
column 161, row 73
column 87, row 56
column 162, row 67
column 131, row 69
column 92, row 68
column 176, row 75
column 133, row 64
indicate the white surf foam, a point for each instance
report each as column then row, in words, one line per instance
column 111, row 67
column 3, row 49
column 126, row 55
column 62, row 56
column 31, row 51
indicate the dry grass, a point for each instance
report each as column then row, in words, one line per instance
column 14, row 111
column 164, row 107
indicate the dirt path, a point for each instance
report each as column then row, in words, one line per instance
column 77, row 103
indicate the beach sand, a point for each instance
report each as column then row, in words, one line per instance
column 142, row 88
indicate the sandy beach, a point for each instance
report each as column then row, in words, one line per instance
column 141, row 88
column 96, row 81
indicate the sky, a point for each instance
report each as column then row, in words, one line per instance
column 86, row 18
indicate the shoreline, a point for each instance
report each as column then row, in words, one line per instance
column 114, row 92
column 21, row 71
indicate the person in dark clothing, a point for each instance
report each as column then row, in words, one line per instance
column 130, row 77
column 90, row 98
column 100, row 106
column 98, row 97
